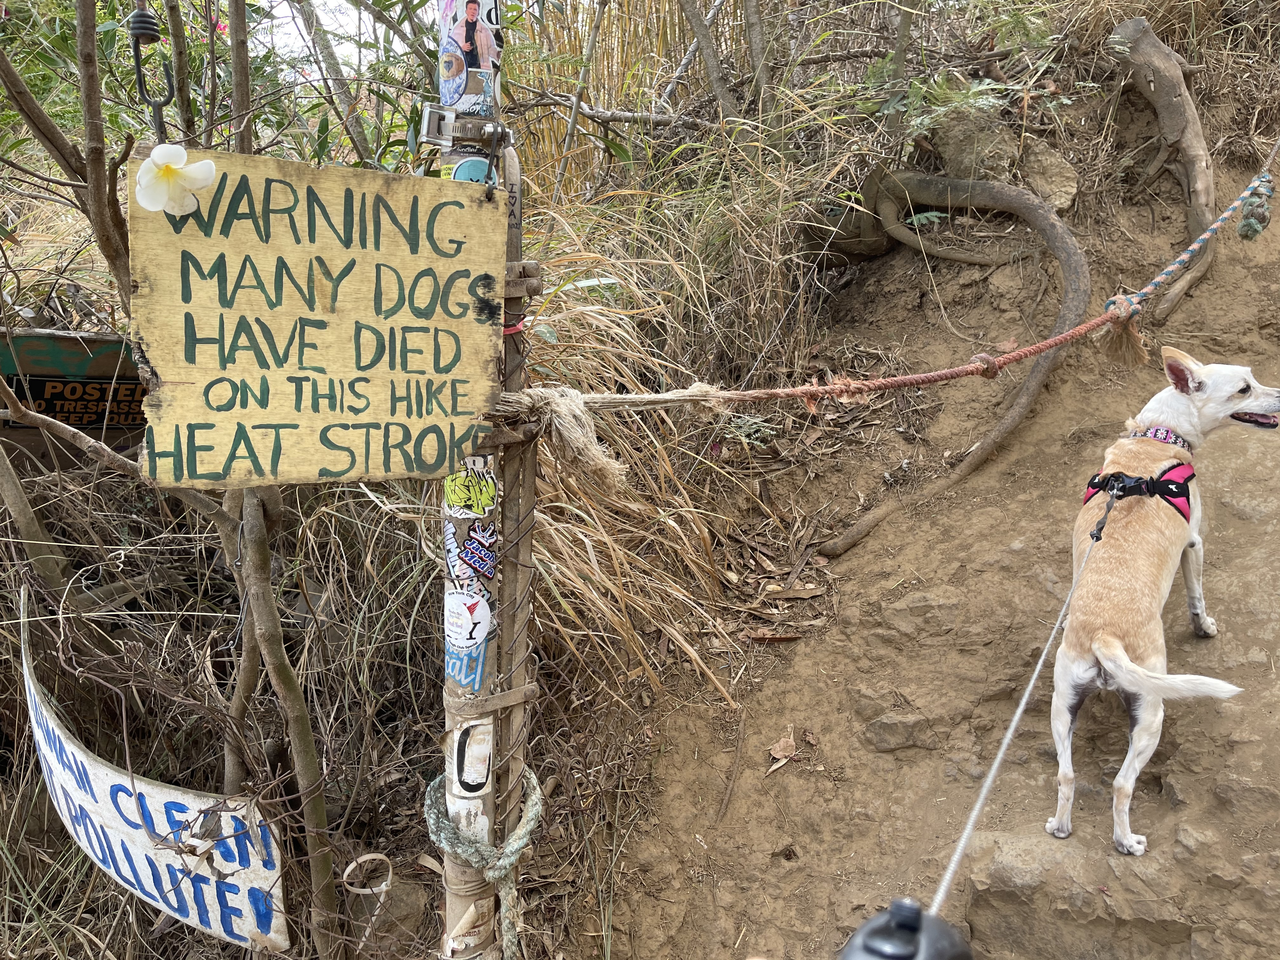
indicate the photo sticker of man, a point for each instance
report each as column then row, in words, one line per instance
column 479, row 48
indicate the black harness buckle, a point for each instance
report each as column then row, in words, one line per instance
column 1123, row 485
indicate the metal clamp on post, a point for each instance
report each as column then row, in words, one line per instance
column 438, row 126
column 443, row 128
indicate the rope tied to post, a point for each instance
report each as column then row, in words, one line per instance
column 497, row 862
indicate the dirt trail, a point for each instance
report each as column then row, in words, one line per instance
column 938, row 619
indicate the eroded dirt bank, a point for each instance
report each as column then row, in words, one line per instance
column 937, row 620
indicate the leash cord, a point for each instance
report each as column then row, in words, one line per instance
column 944, row 885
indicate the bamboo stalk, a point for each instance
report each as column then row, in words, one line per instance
column 601, row 6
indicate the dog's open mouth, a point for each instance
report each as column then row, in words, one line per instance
column 1265, row 420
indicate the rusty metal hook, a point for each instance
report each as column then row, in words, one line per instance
column 144, row 29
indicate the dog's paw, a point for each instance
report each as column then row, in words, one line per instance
column 1204, row 625
column 1135, row 844
column 1059, row 830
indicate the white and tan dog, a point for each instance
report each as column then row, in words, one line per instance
column 1114, row 638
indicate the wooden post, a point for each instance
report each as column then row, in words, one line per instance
column 487, row 681
column 518, row 508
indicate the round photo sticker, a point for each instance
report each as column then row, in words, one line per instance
column 453, row 72
column 472, row 170
column 466, row 619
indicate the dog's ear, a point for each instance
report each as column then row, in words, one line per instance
column 1182, row 370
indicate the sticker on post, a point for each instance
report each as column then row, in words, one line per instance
column 472, row 758
column 465, row 667
column 466, row 619
column 468, row 776
column 461, row 576
column 480, row 559
column 471, row 493
column 470, row 51
column 210, row 861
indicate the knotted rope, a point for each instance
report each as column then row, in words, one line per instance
column 497, row 863
column 565, row 413
column 1127, row 305
column 1256, row 213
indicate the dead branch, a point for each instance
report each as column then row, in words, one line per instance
column 543, row 98
column 197, row 501
column 302, row 741
column 413, row 43
column 730, row 109
column 1159, row 74
column 45, row 554
column 687, row 61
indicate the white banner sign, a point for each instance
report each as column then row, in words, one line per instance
column 205, row 859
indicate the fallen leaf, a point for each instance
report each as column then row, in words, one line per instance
column 765, row 635
column 778, row 764
column 1008, row 346
column 858, row 399
column 784, row 749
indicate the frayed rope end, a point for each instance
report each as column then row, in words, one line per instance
column 570, row 433
column 1123, row 342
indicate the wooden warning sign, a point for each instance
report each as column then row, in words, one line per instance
column 310, row 325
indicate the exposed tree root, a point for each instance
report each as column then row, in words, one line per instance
column 891, row 222
column 925, row 190
column 1159, row 74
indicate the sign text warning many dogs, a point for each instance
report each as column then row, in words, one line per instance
column 308, row 325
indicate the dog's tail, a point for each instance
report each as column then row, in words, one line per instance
column 1135, row 679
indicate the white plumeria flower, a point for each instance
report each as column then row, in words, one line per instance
column 166, row 182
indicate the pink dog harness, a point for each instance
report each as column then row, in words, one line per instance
column 1173, row 486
